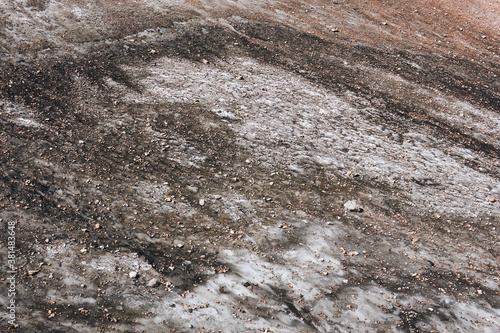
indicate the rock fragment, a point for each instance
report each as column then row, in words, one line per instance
column 153, row 283
column 353, row 206
column 33, row 272
column 132, row 274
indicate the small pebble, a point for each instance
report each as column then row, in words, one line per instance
column 153, row 283
column 353, row 206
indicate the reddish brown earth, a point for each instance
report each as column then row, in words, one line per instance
column 183, row 166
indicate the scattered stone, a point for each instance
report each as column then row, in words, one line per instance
column 352, row 174
column 132, row 274
column 414, row 240
column 33, row 272
column 84, row 250
column 202, row 202
column 492, row 199
column 217, row 197
column 153, row 283
column 97, row 226
column 353, row 206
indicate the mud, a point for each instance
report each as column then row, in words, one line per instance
column 211, row 145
